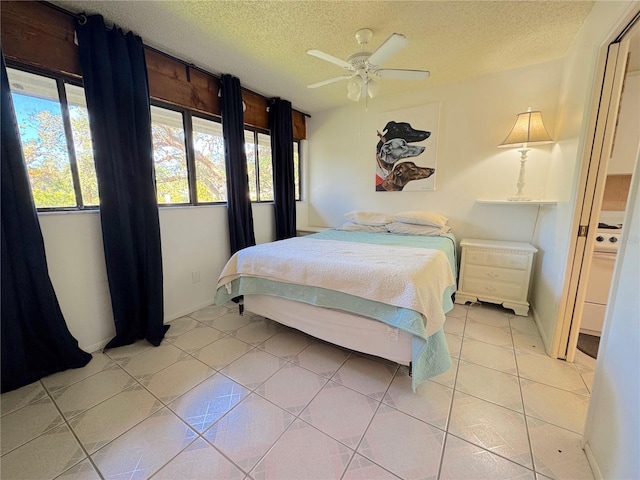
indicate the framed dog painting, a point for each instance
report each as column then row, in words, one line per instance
column 406, row 150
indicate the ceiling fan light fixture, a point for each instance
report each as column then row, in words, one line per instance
column 354, row 89
column 373, row 88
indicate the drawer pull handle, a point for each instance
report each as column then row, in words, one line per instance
column 492, row 275
column 490, row 288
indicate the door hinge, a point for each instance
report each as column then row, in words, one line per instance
column 582, row 230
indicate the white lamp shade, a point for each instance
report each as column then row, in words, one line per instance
column 373, row 88
column 528, row 129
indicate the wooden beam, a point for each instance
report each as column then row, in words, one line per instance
column 37, row 35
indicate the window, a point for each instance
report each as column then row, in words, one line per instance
column 208, row 149
column 188, row 149
column 259, row 167
column 296, row 169
column 54, row 130
column 169, row 156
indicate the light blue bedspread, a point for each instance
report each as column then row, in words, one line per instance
column 430, row 355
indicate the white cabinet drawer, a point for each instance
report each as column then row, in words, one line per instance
column 477, row 272
column 497, row 259
column 496, row 290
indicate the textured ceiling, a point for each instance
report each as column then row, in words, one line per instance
column 264, row 42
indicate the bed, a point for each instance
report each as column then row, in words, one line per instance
column 378, row 293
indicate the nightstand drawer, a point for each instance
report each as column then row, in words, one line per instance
column 485, row 274
column 497, row 259
column 497, row 290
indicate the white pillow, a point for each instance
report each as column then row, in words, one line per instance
column 411, row 229
column 356, row 227
column 369, row 218
column 421, row 218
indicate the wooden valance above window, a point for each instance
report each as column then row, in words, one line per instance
column 41, row 36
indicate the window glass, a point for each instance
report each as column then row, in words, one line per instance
column 250, row 149
column 169, row 156
column 296, row 168
column 79, row 117
column 265, row 168
column 39, row 116
column 208, row 147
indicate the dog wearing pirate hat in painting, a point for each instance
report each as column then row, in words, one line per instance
column 393, row 146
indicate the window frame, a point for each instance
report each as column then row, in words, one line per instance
column 187, row 114
column 61, row 79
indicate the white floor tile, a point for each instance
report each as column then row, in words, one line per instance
column 430, row 403
column 552, row 405
column 199, row 461
column 322, row 358
column 253, row 368
column 366, row 376
column 257, row 331
column 103, row 423
column 222, row 352
column 454, row 325
column 491, row 385
column 207, row 402
column 529, row 343
column 463, row 460
column 286, row 343
column 458, row 311
column 248, row 431
column 500, row 336
column 454, row 342
column 523, row 325
column 230, row 322
column 82, row 471
column 46, row 456
column 448, row 378
column 152, row 361
column 405, row 446
column 292, row 387
column 179, row 326
column 488, row 355
column 489, row 315
column 98, row 362
column 144, row 449
column 361, row 468
column 550, row 371
column 492, row 427
column 557, row 452
column 87, row 393
column 20, row 397
column 303, row 452
column 27, row 423
column 211, row 312
column 341, row 413
column 177, row 378
column 197, row 338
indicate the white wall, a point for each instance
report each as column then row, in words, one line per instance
column 194, row 239
column 475, row 116
column 612, row 430
column 553, row 231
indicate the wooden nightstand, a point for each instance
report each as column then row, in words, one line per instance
column 496, row 272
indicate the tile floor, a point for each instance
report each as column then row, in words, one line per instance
column 230, row 397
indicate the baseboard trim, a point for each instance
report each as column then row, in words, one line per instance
column 545, row 339
column 99, row 346
column 597, row 474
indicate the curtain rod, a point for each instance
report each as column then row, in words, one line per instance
column 82, row 18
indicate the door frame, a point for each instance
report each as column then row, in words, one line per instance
column 603, row 114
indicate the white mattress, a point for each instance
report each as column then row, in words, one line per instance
column 340, row 328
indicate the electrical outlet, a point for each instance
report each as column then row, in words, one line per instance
column 195, row 276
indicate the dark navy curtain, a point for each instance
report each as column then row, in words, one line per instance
column 115, row 82
column 35, row 339
column 284, row 190
column 241, row 233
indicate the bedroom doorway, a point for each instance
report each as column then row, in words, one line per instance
column 621, row 53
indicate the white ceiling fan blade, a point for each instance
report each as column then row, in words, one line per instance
column 389, row 48
column 327, row 82
column 403, row 74
column 329, row 58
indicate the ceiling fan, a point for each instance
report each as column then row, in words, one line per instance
column 364, row 66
